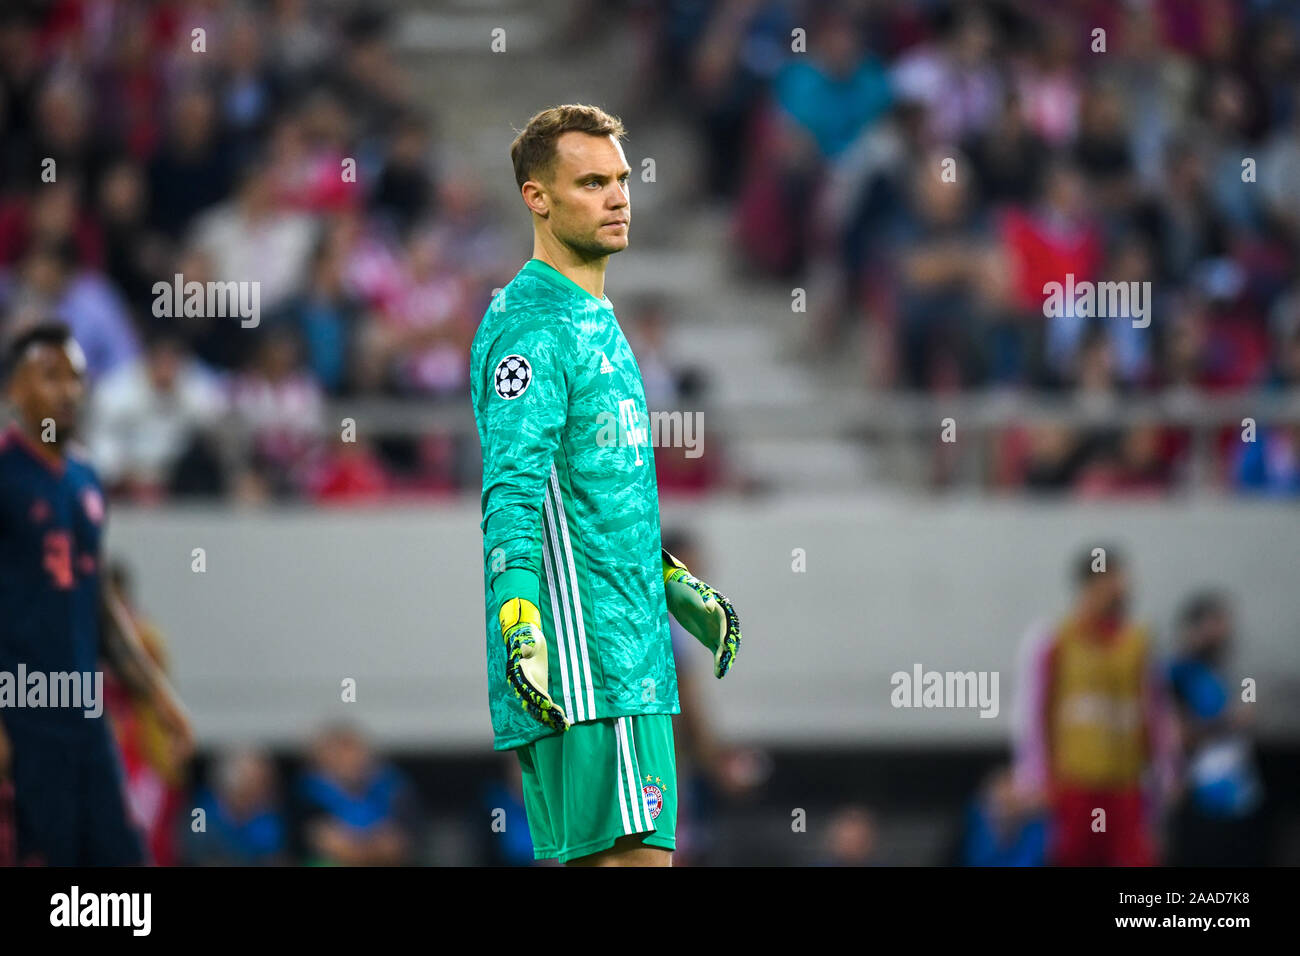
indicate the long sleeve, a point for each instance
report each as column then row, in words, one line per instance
column 522, row 410
column 1032, row 765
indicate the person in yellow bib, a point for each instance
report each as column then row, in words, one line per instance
column 1093, row 725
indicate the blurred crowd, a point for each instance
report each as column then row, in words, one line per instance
column 933, row 165
column 928, row 165
column 267, row 143
column 282, row 144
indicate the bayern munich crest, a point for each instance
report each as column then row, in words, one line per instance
column 654, row 800
column 512, row 376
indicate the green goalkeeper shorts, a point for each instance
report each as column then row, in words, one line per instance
column 598, row 781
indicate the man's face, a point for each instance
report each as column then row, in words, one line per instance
column 346, row 758
column 1111, row 594
column 587, row 196
column 48, row 383
column 1210, row 639
column 164, row 366
column 1065, row 191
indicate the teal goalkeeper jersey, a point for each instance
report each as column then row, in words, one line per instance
column 569, row 502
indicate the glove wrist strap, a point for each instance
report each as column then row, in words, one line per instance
column 673, row 569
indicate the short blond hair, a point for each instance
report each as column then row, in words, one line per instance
column 533, row 151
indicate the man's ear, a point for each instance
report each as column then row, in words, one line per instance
column 535, row 198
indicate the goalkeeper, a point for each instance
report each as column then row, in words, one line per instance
column 581, row 682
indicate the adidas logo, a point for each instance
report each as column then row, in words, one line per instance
column 605, row 367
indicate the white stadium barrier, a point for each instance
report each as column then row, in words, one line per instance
column 294, row 601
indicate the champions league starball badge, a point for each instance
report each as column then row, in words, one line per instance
column 512, row 376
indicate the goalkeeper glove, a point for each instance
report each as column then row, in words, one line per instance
column 703, row 611
column 526, row 662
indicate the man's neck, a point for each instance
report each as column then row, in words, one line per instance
column 1097, row 624
column 589, row 274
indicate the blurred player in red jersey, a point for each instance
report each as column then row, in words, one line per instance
column 1093, row 726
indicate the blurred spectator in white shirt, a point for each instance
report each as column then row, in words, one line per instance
column 253, row 239
column 146, row 415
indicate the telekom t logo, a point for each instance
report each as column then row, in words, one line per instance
column 628, row 420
